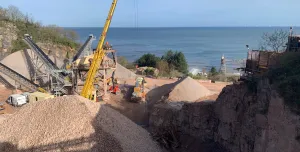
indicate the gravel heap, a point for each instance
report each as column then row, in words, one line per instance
column 20, row 63
column 186, row 89
column 124, row 73
column 72, row 123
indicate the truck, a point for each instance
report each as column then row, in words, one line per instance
column 17, row 100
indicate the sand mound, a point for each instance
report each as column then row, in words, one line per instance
column 124, row 73
column 72, row 123
column 186, row 89
column 19, row 62
column 16, row 61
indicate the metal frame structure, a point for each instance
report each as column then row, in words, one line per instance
column 58, row 82
column 86, row 48
column 100, row 64
column 36, row 68
column 20, row 79
column 100, row 84
column 88, row 88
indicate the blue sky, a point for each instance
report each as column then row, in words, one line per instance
column 162, row 13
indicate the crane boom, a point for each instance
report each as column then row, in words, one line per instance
column 98, row 56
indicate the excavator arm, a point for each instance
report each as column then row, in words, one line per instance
column 98, row 56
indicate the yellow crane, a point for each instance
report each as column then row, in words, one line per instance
column 88, row 87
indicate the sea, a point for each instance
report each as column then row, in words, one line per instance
column 203, row 47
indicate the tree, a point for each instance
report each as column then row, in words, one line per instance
column 213, row 71
column 176, row 60
column 147, row 60
column 13, row 13
column 163, row 67
column 275, row 41
column 2, row 13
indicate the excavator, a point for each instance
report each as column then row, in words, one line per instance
column 88, row 90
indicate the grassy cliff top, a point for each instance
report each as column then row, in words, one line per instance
column 25, row 24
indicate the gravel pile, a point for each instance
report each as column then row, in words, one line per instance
column 72, row 123
column 19, row 63
column 16, row 62
column 186, row 89
column 124, row 73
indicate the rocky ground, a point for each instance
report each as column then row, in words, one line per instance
column 240, row 120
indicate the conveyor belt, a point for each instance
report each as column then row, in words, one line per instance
column 49, row 63
column 19, row 78
column 83, row 47
column 45, row 59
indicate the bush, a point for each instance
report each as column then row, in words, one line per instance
column 149, row 71
column 18, row 45
column 125, row 63
column 122, row 60
column 163, row 68
column 175, row 73
column 148, row 60
column 286, row 77
column 170, row 64
column 176, row 61
column 213, row 71
column 198, row 76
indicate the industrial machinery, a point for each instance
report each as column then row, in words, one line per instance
column 139, row 93
column 20, row 79
column 114, row 85
column 88, row 87
column 64, row 81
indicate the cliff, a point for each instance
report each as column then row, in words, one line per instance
column 58, row 40
column 240, row 120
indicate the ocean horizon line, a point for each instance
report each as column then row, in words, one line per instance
column 194, row 27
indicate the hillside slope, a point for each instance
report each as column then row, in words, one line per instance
column 14, row 24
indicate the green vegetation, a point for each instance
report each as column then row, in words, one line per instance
column 174, row 64
column 171, row 64
column 124, row 62
column 286, row 78
column 149, row 71
column 163, row 68
column 147, row 60
column 197, row 77
column 26, row 25
column 213, row 71
column 176, row 61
